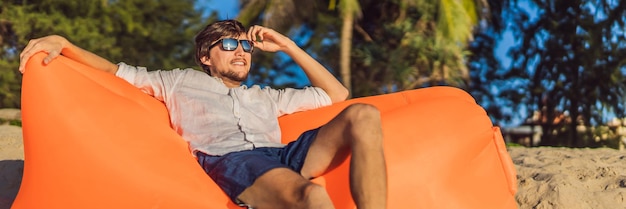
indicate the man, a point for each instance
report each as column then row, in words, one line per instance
column 233, row 130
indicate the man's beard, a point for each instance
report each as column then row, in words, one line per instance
column 233, row 76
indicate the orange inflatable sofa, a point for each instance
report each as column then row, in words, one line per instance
column 92, row 140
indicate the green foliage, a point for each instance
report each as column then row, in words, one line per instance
column 152, row 33
column 511, row 144
column 15, row 123
column 9, row 84
column 11, row 122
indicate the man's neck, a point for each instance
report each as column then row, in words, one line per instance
column 228, row 83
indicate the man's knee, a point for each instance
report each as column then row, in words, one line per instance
column 310, row 194
column 365, row 124
column 359, row 112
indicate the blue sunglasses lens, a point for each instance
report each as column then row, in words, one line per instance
column 246, row 45
column 229, row 44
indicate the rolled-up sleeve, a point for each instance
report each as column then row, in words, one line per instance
column 291, row 100
column 126, row 72
column 154, row 83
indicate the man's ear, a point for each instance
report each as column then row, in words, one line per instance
column 205, row 60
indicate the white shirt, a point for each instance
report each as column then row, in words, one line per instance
column 215, row 119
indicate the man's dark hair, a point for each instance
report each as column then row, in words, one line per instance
column 212, row 33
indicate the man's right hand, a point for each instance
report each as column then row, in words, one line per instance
column 53, row 45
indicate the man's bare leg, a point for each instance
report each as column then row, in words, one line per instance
column 284, row 188
column 356, row 130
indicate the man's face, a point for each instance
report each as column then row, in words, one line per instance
column 230, row 66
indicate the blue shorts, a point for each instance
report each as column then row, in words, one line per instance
column 236, row 171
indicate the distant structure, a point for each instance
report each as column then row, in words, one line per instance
column 618, row 125
column 529, row 133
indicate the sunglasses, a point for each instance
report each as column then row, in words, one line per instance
column 231, row 44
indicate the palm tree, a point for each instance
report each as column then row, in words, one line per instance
column 454, row 24
column 349, row 9
column 416, row 44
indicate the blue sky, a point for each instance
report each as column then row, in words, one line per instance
column 226, row 9
column 508, row 39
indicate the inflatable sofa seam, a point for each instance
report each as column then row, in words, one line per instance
column 505, row 160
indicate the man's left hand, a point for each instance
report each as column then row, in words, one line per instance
column 267, row 39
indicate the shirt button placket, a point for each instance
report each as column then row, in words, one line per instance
column 236, row 111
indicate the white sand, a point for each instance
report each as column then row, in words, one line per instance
column 570, row 178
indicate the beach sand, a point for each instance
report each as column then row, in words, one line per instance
column 547, row 177
column 570, row 178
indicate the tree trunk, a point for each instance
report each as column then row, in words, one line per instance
column 346, row 48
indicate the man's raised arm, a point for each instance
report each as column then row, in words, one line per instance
column 272, row 41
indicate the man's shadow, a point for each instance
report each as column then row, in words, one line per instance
column 10, row 179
